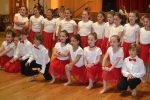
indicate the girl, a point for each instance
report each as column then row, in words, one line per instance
column 117, row 29
column 92, row 57
column 7, row 48
column 21, row 20
column 85, row 27
column 133, row 70
column 38, row 59
column 48, row 27
column 68, row 24
column 35, row 24
column 145, row 43
column 99, row 28
column 13, row 65
column 131, row 32
column 112, row 71
column 76, row 66
column 61, row 52
column 108, row 26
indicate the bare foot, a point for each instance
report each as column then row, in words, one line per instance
column 89, row 87
column 103, row 91
column 133, row 92
column 52, row 81
column 67, row 83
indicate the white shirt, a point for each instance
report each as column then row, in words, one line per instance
column 113, row 56
column 22, row 19
column 116, row 30
column 10, row 46
column 63, row 49
column 40, row 55
column 99, row 29
column 68, row 25
column 136, row 68
column 49, row 25
column 85, row 28
column 107, row 29
column 130, row 33
column 24, row 50
column 36, row 23
column 92, row 55
column 74, row 54
column 58, row 20
column 144, row 36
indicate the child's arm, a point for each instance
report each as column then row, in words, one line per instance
column 1, row 48
column 73, row 62
column 25, row 25
column 104, row 62
column 137, row 38
column 5, row 51
column 63, row 54
column 75, row 29
column 17, row 22
column 97, row 61
column 115, row 63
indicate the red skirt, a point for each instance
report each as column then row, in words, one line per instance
column 126, row 49
column 99, row 43
column 79, row 73
column 149, row 59
column 31, row 35
column 3, row 60
column 57, row 68
column 104, row 45
column 112, row 76
column 70, row 35
column 12, row 67
column 84, row 41
column 144, row 52
column 48, row 40
column 17, row 31
column 94, row 73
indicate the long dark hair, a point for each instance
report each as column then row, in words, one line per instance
column 67, row 35
column 78, row 38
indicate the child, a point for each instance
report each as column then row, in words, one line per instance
column 133, row 69
column 108, row 26
column 76, row 66
column 131, row 32
column 13, row 65
column 7, row 48
column 38, row 59
column 24, row 50
column 112, row 71
column 21, row 20
column 35, row 24
column 49, row 27
column 145, row 43
column 61, row 52
column 85, row 27
column 99, row 28
column 68, row 24
column 92, row 57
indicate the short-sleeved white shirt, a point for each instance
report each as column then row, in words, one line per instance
column 144, row 36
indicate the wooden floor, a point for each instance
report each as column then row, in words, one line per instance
column 17, row 87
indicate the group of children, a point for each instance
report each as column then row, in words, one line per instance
column 90, row 52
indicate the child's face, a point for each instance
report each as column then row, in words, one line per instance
column 91, row 41
column 22, row 11
column 61, row 14
column 85, row 15
column 23, row 37
column 63, row 37
column 114, row 42
column 49, row 14
column 74, row 42
column 100, row 18
column 132, row 18
column 36, row 11
column 67, row 14
column 9, row 38
column 132, row 53
column 36, row 42
column 117, row 20
column 146, row 22
column 110, row 18
column 16, row 40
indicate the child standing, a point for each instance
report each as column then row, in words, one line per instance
column 7, row 48
column 13, row 65
column 145, row 43
column 61, row 52
column 38, row 59
column 92, row 57
column 68, row 24
column 99, row 28
column 85, row 27
column 131, row 32
column 112, row 71
column 133, row 70
column 76, row 66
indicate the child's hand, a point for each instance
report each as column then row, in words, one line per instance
column 12, row 61
column 130, row 76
